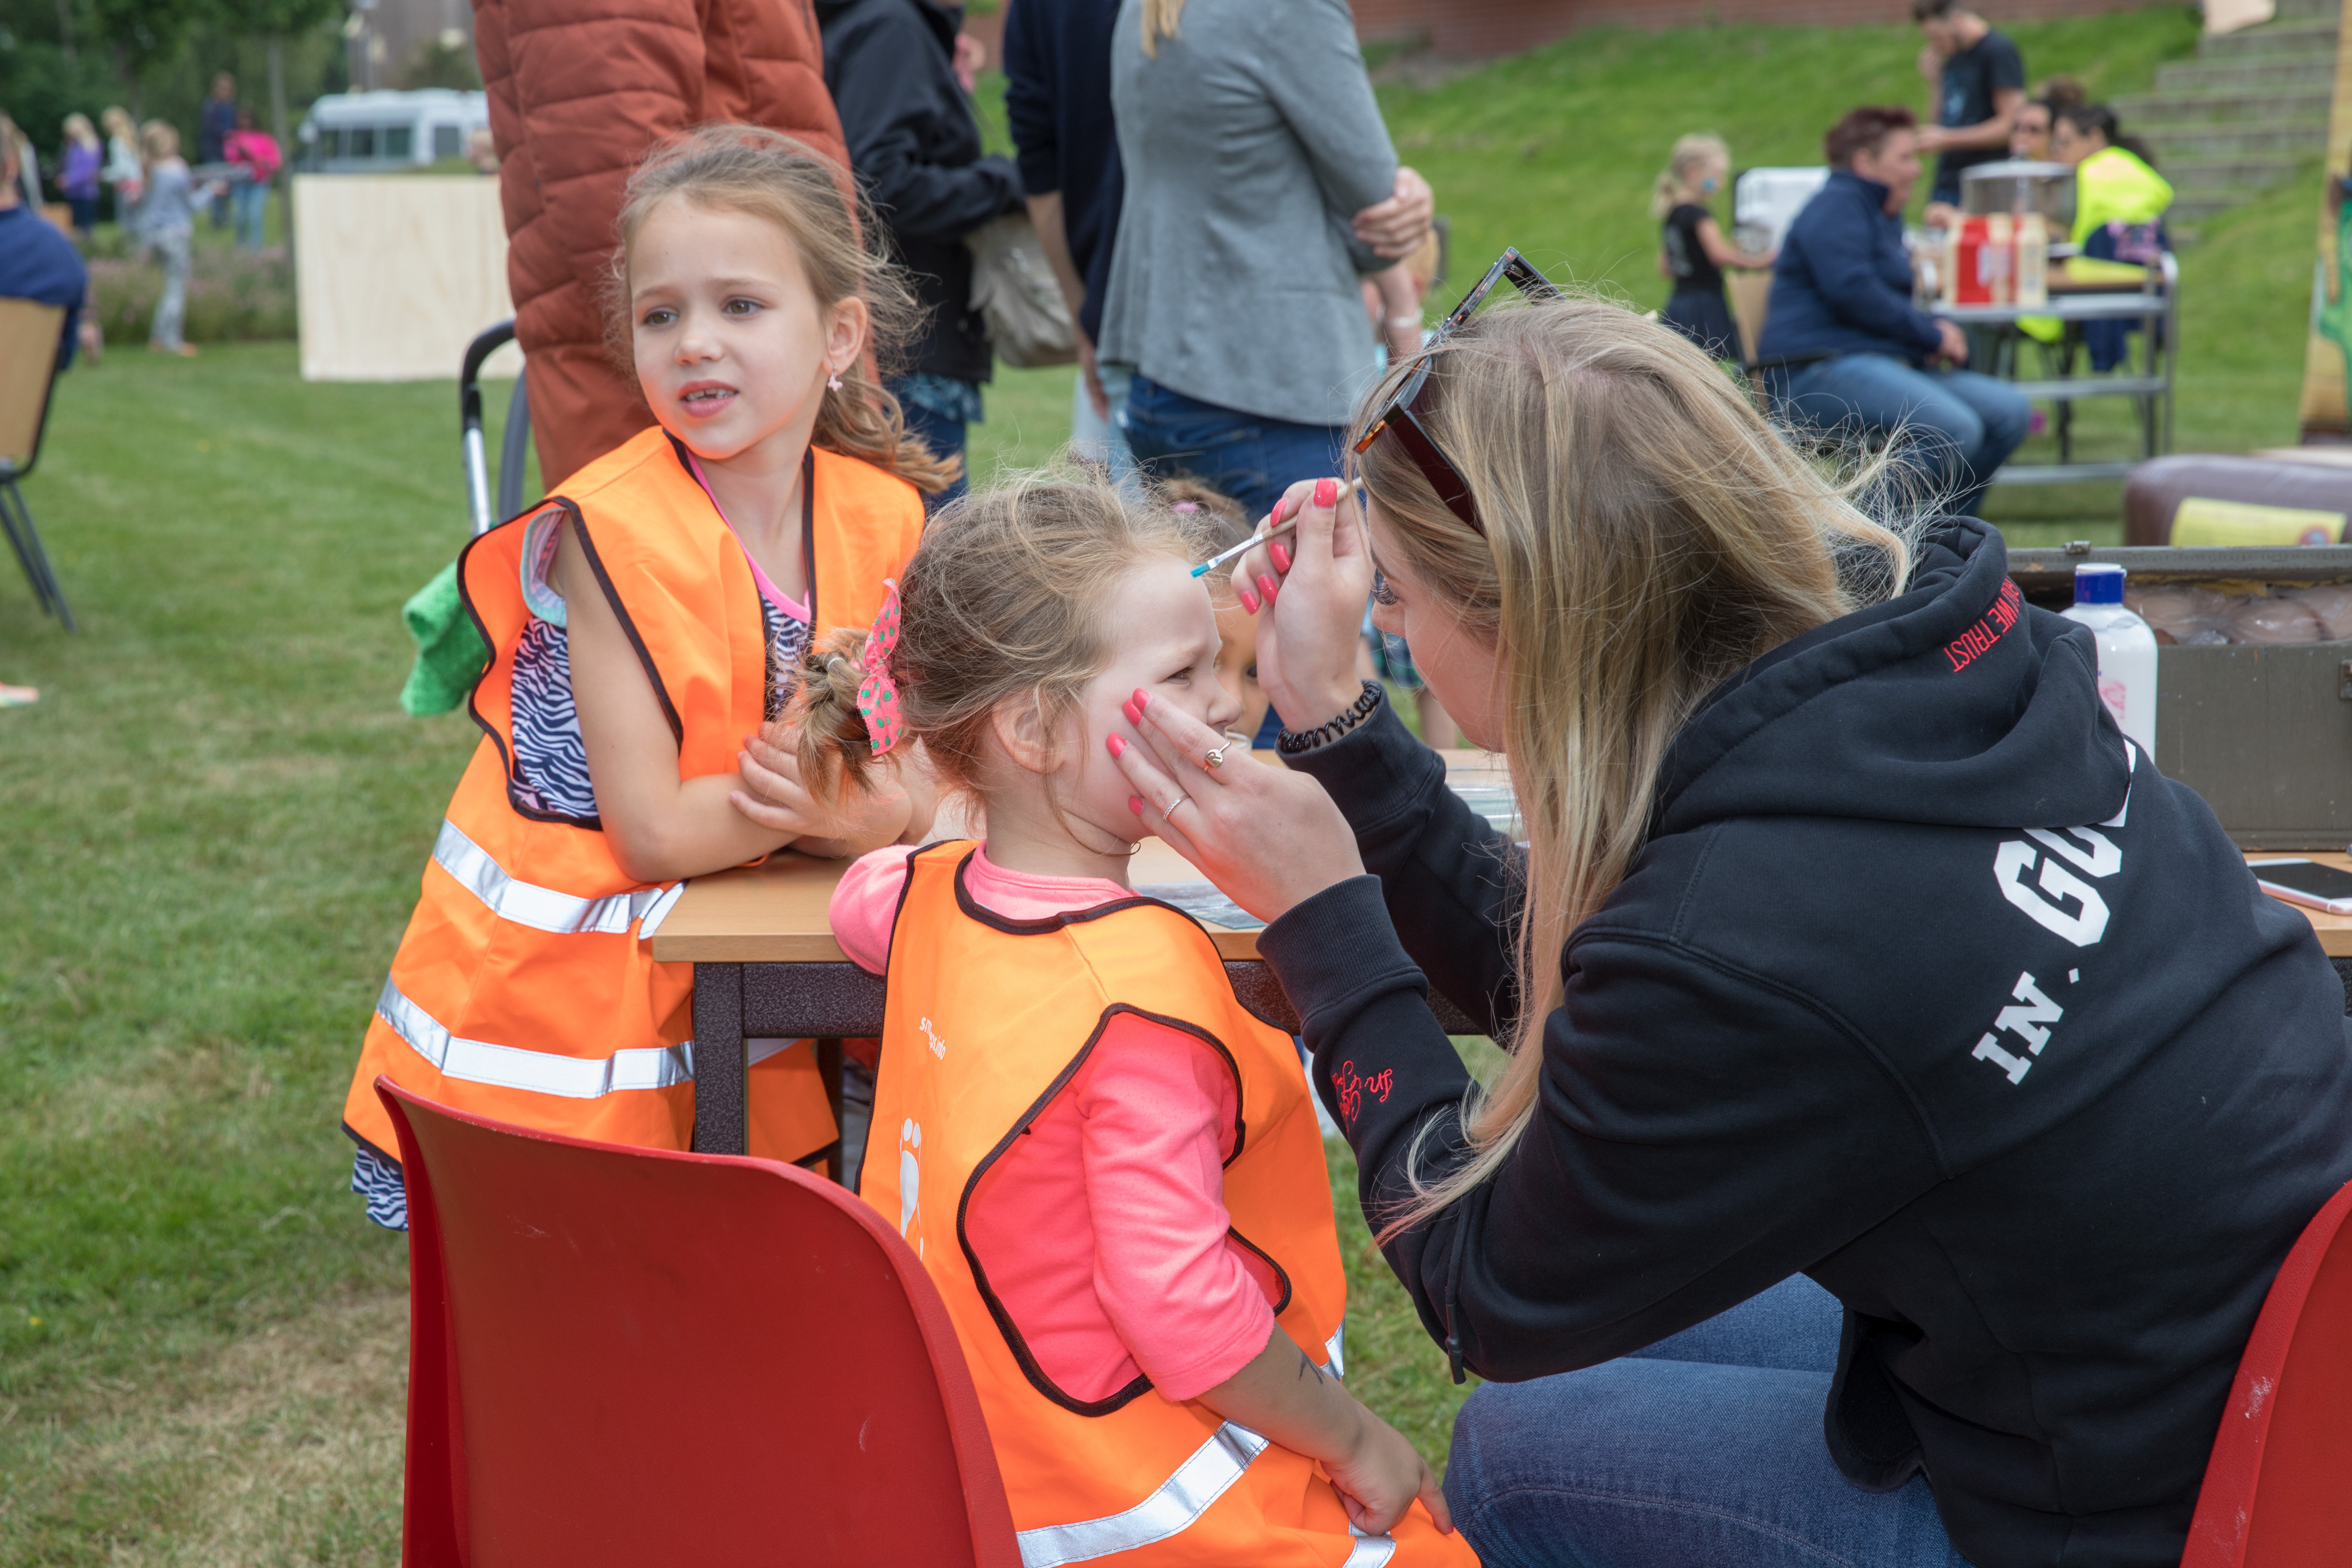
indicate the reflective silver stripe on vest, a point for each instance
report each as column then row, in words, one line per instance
column 1182, row 1498
column 1371, row 1551
column 509, row 1067
column 542, row 908
column 1336, row 1350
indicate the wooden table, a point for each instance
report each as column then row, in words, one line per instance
column 766, row 966
column 2334, row 930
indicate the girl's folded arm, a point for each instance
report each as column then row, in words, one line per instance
column 866, row 904
column 661, row 826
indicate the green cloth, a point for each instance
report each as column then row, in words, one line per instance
column 2111, row 186
column 450, row 652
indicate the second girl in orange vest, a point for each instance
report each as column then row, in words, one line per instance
column 1110, row 1168
column 639, row 622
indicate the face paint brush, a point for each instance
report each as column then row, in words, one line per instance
column 1267, row 529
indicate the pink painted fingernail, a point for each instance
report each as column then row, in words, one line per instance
column 1134, row 715
column 1135, row 804
column 1281, row 556
column 1267, row 586
column 1116, row 745
column 1142, row 699
column 1249, row 601
column 1327, row 493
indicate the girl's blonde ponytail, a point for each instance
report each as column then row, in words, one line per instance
column 1160, row 19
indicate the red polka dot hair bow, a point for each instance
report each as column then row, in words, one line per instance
column 878, row 699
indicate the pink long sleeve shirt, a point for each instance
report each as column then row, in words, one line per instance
column 1149, row 1283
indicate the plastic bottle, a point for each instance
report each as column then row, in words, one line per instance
column 2126, row 651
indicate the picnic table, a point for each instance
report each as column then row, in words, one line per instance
column 2156, row 309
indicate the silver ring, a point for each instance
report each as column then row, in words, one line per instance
column 1171, row 806
column 1216, row 759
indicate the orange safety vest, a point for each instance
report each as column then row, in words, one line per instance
column 525, row 987
column 989, row 1022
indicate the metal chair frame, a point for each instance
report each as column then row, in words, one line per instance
column 17, row 517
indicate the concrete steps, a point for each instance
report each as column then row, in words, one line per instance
column 2243, row 115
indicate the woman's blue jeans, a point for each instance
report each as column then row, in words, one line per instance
column 1248, row 456
column 1964, row 426
column 1705, row 1448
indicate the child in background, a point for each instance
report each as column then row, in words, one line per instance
column 1224, row 525
column 1141, row 1287
column 78, row 173
column 124, row 174
column 167, row 220
column 1692, row 251
column 640, row 622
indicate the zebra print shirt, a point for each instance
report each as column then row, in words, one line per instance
column 550, row 761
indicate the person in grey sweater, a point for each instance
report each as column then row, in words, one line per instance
column 1261, row 189
column 167, row 221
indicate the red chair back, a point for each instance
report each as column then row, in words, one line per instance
column 2278, row 1489
column 626, row 1355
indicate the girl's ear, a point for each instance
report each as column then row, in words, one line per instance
column 1019, row 724
column 846, row 326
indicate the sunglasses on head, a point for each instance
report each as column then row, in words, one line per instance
column 1402, row 418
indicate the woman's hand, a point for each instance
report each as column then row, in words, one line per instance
column 1269, row 838
column 1313, row 585
column 1394, row 228
column 1381, row 1477
column 774, row 796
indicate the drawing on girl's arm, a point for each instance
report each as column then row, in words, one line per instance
column 1352, row 1088
column 1307, row 1365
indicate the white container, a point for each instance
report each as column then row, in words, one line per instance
column 2126, row 651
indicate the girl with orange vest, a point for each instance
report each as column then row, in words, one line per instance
column 640, row 624
column 1109, row 1166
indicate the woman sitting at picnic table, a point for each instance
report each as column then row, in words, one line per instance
column 1845, row 350
column 2119, row 206
column 1890, row 1037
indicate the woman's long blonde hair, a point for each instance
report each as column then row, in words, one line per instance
column 1648, row 534
column 1160, row 19
column 769, row 175
column 1691, row 154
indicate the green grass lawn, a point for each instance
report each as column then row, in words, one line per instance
column 216, row 817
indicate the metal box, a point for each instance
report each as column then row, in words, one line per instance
column 2265, row 733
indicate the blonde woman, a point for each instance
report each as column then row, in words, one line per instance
column 124, row 174
column 1850, row 940
column 1692, row 251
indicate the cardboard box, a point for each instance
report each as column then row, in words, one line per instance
column 2265, row 733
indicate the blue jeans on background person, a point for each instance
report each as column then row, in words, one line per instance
column 940, row 410
column 251, row 200
column 1096, row 438
column 1705, row 1447
column 1249, row 457
column 1964, row 425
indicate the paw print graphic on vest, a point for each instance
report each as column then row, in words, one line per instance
column 911, row 1178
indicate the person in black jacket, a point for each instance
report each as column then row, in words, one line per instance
column 914, row 146
column 1853, row 943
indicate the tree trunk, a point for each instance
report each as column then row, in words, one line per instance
column 65, row 30
column 277, row 92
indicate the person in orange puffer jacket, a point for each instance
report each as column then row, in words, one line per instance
column 575, row 101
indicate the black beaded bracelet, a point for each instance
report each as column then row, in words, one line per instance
column 1290, row 744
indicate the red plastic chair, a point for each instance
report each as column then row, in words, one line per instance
column 2278, row 1489
column 632, row 1356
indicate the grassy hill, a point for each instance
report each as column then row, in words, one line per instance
column 1555, row 150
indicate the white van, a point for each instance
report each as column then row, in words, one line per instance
column 363, row 133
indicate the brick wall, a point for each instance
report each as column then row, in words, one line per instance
column 1473, row 29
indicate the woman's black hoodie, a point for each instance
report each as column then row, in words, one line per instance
column 1924, row 986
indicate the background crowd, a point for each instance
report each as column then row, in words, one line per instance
column 1845, row 347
